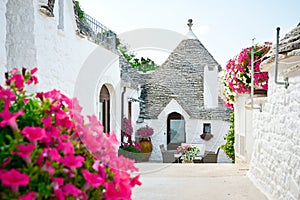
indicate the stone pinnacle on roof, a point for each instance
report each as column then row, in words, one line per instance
column 190, row 34
column 190, row 23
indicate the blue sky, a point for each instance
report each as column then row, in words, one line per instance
column 224, row 27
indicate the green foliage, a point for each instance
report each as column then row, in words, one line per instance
column 79, row 11
column 141, row 64
column 228, row 147
column 131, row 148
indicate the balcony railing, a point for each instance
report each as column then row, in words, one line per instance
column 97, row 32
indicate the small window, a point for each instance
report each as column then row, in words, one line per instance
column 206, row 134
column 206, row 128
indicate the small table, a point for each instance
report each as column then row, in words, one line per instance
column 198, row 159
column 177, row 157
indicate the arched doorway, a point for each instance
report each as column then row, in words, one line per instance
column 104, row 108
column 175, row 130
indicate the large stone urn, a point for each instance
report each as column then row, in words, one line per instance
column 146, row 147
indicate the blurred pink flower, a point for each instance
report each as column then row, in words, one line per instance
column 17, row 80
column 33, row 133
column 14, row 178
column 57, row 182
column 24, row 151
column 29, row 196
column 54, row 155
column 59, row 194
column 93, row 180
column 72, row 162
column 136, row 181
column 9, row 118
column 70, row 189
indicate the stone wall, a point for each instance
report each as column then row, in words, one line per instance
column 275, row 165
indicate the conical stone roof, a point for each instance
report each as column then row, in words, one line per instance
column 181, row 77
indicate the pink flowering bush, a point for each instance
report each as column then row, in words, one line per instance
column 127, row 127
column 144, row 132
column 189, row 152
column 47, row 152
column 237, row 77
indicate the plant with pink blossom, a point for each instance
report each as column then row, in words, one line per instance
column 236, row 79
column 144, row 132
column 127, row 127
column 48, row 152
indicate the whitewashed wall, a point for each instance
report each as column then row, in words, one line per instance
column 2, row 40
column 67, row 62
column 210, row 87
column 275, row 164
column 243, row 130
column 61, row 53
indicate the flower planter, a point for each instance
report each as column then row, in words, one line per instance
column 146, row 148
column 187, row 161
column 137, row 157
column 206, row 136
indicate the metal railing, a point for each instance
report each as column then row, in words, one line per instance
column 97, row 32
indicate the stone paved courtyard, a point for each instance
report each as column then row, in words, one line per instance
column 195, row 181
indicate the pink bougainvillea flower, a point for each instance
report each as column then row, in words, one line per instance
column 95, row 125
column 17, row 80
column 112, row 138
column 14, row 178
column 135, row 181
column 47, row 121
column 93, row 180
column 48, row 167
column 59, row 194
column 32, row 79
column 29, row 196
column 66, row 147
column 9, row 118
column 40, row 160
column 25, row 151
column 63, row 120
column 7, row 96
column 70, row 189
column 72, row 161
column 120, row 188
column 54, row 155
column 57, row 182
column 33, row 133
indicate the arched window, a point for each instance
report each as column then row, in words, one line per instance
column 104, row 108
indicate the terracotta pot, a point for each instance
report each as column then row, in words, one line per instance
column 146, row 148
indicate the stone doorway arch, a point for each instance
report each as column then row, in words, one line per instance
column 175, row 130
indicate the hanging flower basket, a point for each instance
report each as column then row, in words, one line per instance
column 206, row 136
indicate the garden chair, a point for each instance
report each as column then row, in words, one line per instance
column 167, row 155
column 211, row 157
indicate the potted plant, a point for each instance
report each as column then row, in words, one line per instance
column 128, row 148
column 144, row 135
column 206, row 136
column 131, row 150
column 127, row 129
column 189, row 152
